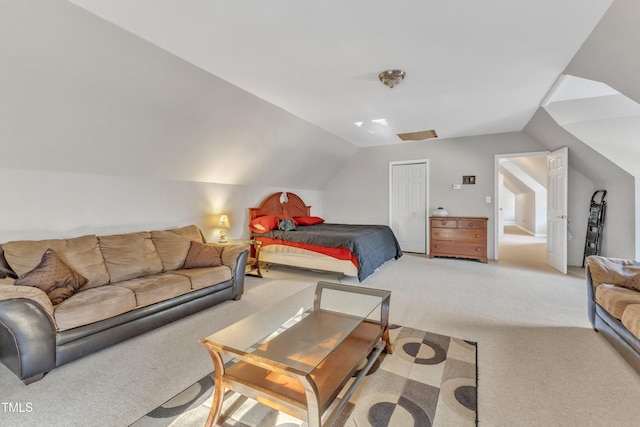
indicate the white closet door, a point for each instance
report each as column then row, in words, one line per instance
column 408, row 206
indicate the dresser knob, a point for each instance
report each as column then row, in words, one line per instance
column 477, row 235
column 477, row 249
column 444, row 223
column 470, row 224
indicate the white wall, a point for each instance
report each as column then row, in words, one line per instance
column 359, row 192
column 605, row 57
column 526, row 211
column 82, row 95
column 590, row 171
column 617, row 235
column 42, row 204
column 541, row 213
column 606, row 54
column 508, row 204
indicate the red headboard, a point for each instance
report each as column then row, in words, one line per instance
column 272, row 206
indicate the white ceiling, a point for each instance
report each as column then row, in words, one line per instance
column 472, row 67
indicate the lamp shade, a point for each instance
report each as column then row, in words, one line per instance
column 223, row 221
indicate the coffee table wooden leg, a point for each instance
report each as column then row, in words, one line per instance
column 384, row 323
column 218, row 388
column 387, row 345
column 314, row 417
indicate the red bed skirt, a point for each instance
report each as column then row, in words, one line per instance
column 338, row 253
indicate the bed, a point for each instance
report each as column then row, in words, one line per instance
column 347, row 249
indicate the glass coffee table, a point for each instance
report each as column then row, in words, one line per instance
column 297, row 355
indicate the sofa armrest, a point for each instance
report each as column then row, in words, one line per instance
column 231, row 256
column 9, row 291
column 614, row 271
column 27, row 338
column 235, row 257
column 591, row 298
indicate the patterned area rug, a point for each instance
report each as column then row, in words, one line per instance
column 429, row 380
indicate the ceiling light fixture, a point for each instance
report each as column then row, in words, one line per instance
column 391, row 77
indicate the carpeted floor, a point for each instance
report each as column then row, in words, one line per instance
column 539, row 360
column 428, row 380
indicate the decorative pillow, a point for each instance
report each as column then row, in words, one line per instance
column 264, row 224
column 202, row 255
column 286, row 225
column 54, row 277
column 308, row 220
column 173, row 245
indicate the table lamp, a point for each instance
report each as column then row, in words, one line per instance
column 223, row 224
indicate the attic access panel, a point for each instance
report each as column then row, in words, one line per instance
column 418, row 136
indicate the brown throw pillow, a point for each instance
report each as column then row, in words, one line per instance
column 54, row 277
column 203, row 255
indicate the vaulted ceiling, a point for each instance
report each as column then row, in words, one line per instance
column 471, row 67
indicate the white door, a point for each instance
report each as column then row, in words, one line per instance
column 557, row 170
column 408, row 206
column 500, row 203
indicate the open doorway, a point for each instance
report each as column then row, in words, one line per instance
column 521, row 185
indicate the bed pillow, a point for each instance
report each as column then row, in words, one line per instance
column 201, row 255
column 264, row 224
column 54, row 277
column 308, row 220
column 286, row 225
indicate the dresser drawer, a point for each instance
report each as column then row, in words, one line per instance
column 469, row 223
column 457, row 234
column 468, row 249
column 444, row 223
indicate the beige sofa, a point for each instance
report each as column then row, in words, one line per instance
column 613, row 289
column 62, row 299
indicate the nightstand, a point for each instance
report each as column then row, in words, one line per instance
column 253, row 262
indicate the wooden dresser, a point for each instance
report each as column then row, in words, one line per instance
column 460, row 237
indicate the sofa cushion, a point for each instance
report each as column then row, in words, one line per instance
column 611, row 270
column 80, row 253
column 173, row 245
column 92, row 305
column 230, row 255
column 203, row 277
column 131, row 255
column 158, row 287
column 632, row 283
column 631, row 319
column 54, row 277
column 615, row 299
column 203, row 255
